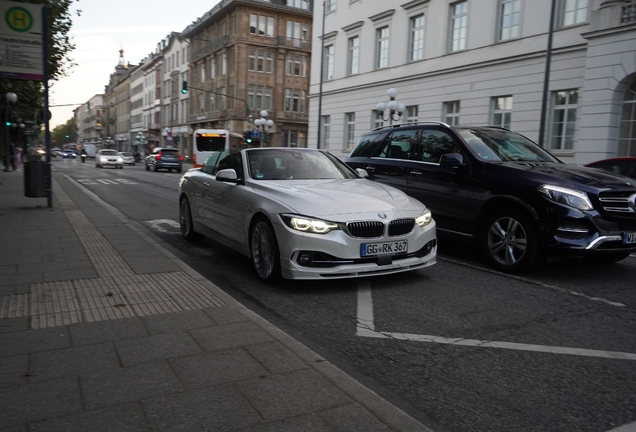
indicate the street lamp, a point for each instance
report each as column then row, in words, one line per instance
column 394, row 107
column 10, row 97
column 263, row 125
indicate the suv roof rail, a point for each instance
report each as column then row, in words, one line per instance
column 439, row 123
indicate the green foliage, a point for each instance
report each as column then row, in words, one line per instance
column 59, row 132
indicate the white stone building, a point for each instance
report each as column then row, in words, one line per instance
column 479, row 62
column 174, row 103
column 89, row 119
column 136, row 108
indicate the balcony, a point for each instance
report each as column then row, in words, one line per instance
column 292, row 116
column 210, row 47
column 154, row 126
column 293, row 43
column 613, row 15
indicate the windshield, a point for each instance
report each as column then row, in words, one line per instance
column 504, row 146
column 108, row 153
column 279, row 164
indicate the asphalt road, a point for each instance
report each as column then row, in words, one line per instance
column 458, row 346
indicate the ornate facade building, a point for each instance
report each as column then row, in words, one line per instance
column 247, row 56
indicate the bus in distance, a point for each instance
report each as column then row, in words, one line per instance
column 208, row 141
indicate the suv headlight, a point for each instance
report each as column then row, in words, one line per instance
column 310, row 225
column 569, row 197
column 424, row 219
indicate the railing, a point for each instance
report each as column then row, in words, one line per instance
column 629, row 13
column 210, row 47
column 295, row 43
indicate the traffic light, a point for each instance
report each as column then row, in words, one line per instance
column 247, row 135
column 7, row 124
column 184, row 87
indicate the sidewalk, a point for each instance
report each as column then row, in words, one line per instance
column 119, row 335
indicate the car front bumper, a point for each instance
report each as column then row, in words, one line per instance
column 337, row 256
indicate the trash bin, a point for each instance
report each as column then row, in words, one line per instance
column 34, row 171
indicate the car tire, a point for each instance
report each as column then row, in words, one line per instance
column 185, row 221
column 147, row 167
column 608, row 258
column 155, row 169
column 510, row 241
column 264, row 251
column 178, row 170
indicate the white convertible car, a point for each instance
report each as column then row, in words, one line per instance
column 304, row 214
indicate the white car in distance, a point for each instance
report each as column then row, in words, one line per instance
column 108, row 157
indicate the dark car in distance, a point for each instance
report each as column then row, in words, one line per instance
column 517, row 200
column 164, row 158
column 619, row 165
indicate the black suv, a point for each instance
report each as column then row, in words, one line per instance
column 520, row 202
column 164, row 158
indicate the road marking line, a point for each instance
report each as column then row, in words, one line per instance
column 156, row 224
column 530, row 281
column 630, row 427
column 366, row 328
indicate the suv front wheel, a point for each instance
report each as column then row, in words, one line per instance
column 510, row 241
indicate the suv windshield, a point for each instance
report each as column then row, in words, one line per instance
column 503, row 146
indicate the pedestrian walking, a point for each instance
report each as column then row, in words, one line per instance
column 17, row 158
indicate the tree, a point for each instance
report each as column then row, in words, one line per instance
column 63, row 133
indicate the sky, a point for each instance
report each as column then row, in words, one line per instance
column 106, row 27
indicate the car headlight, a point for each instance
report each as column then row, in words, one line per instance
column 120, row 160
column 424, row 219
column 569, row 197
column 310, row 225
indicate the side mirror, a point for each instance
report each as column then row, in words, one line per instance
column 451, row 159
column 362, row 173
column 227, row 175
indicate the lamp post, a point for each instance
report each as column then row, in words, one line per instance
column 10, row 97
column 263, row 125
column 394, row 107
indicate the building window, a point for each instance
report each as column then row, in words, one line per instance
column 212, row 68
column 211, row 101
column 572, row 12
column 329, row 62
column 509, row 11
column 221, row 98
column 459, row 22
column 326, row 131
column 354, row 55
column 202, row 72
column 502, row 111
column 290, row 139
column 411, row 114
column 350, row 131
column 261, row 25
column 301, row 4
column 201, row 103
column 382, row 53
column 296, row 65
column 223, row 63
column 417, row 38
column 451, row 113
column 294, row 100
column 261, row 61
column 377, row 120
column 331, row 5
column 563, row 120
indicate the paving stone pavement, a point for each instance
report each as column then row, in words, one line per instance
column 101, row 329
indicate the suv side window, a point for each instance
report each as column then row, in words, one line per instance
column 399, row 144
column 367, row 143
column 433, row 143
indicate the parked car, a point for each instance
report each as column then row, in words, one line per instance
column 56, row 151
column 108, row 157
column 69, row 154
column 620, row 165
column 496, row 186
column 164, row 158
column 128, row 158
column 304, row 214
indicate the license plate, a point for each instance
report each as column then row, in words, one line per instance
column 387, row 248
column 629, row 238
